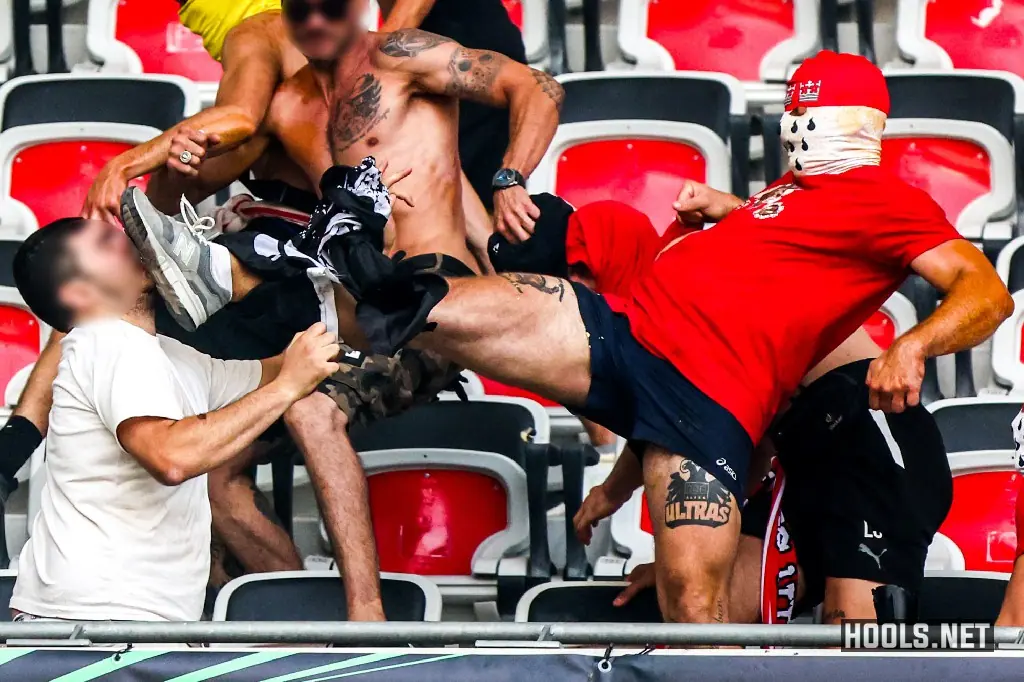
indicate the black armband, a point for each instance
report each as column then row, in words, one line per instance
column 19, row 438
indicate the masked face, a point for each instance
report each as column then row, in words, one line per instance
column 820, row 140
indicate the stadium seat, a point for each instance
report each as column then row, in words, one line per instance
column 453, row 489
column 46, row 170
column 145, row 36
column 6, row 39
column 586, row 602
column 632, row 539
column 22, row 335
column 981, row 423
column 1008, row 346
column 961, row 34
column 638, row 146
column 967, row 167
column 944, row 555
column 960, row 597
column 896, row 316
column 981, row 520
column 156, row 101
column 1010, row 265
column 754, row 42
column 320, row 596
column 564, row 424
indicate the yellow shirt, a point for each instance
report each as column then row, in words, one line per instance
column 212, row 19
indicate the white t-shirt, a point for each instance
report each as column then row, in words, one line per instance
column 110, row 542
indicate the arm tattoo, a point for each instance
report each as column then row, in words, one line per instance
column 546, row 285
column 409, row 42
column 354, row 114
column 550, row 87
column 696, row 498
column 471, row 73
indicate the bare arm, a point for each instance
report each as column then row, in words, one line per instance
column 976, row 302
column 174, row 451
column 443, row 67
column 252, row 70
column 401, row 14
column 166, row 185
column 37, row 397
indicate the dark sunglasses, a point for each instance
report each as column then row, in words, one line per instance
column 299, row 11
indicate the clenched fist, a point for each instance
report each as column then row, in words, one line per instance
column 308, row 360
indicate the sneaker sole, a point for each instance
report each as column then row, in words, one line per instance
column 166, row 275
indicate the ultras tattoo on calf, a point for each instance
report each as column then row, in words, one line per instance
column 354, row 114
column 696, row 498
column 546, row 285
column 410, row 42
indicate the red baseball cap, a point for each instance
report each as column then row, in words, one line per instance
column 829, row 79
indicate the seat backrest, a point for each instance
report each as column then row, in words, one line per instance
column 636, row 162
column 150, row 28
column 586, row 602
column 22, row 335
column 1010, row 265
column 499, row 425
column 320, row 596
column 961, row 597
column 50, row 167
column 963, row 34
column 969, row 424
column 446, row 512
column 751, row 41
column 988, row 97
column 156, row 101
column 981, row 521
column 1008, row 348
column 967, row 167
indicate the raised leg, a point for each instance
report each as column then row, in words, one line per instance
column 319, row 428
column 524, row 330
column 696, row 524
column 245, row 521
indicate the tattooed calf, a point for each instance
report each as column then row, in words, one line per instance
column 697, row 498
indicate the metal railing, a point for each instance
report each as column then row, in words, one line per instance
column 436, row 634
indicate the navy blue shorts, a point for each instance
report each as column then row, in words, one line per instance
column 646, row 400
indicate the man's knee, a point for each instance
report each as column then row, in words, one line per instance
column 314, row 415
column 691, row 593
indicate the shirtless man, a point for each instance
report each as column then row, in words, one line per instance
column 693, row 377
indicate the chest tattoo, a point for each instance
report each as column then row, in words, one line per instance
column 355, row 113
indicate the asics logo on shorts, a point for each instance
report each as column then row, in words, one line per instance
column 185, row 250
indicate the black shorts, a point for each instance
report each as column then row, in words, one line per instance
column 646, row 400
column 859, row 502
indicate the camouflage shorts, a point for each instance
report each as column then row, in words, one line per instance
column 372, row 387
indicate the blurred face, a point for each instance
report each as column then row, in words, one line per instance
column 109, row 278
column 323, row 29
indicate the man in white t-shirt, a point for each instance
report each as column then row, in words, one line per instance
column 137, row 422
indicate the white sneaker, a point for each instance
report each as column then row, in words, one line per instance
column 178, row 256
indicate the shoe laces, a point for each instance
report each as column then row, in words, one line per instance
column 196, row 224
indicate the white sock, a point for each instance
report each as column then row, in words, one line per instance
column 220, row 265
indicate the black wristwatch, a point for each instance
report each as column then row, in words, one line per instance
column 507, row 177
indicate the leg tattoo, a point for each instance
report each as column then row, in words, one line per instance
column 695, row 497
column 545, row 285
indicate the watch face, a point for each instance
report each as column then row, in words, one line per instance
column 504, row 178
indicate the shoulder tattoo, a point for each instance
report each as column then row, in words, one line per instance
column 409, row 42
column 471, row 73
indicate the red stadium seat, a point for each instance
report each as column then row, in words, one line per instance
column 967, row 167
column 46, row 169
column 881, row 328
column 1008, row 347
column 146, row 36
column 963, row 34
column 430, row 522
column 981, row 521
column 752, row 41
column 641, row 173
column 515, row 11
column 639, row 163
column 52, row 178
column 953, row 172
column 492, row 387
column 20, row 339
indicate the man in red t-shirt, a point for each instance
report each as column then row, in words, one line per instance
column 724, row 325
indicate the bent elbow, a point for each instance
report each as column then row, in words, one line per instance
column 1005, row 305
column 168, row 469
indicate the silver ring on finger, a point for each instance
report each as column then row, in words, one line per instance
column 185, row 156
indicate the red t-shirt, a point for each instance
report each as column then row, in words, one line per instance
column 746, row 308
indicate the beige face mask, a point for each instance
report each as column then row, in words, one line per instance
column 832, row 139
